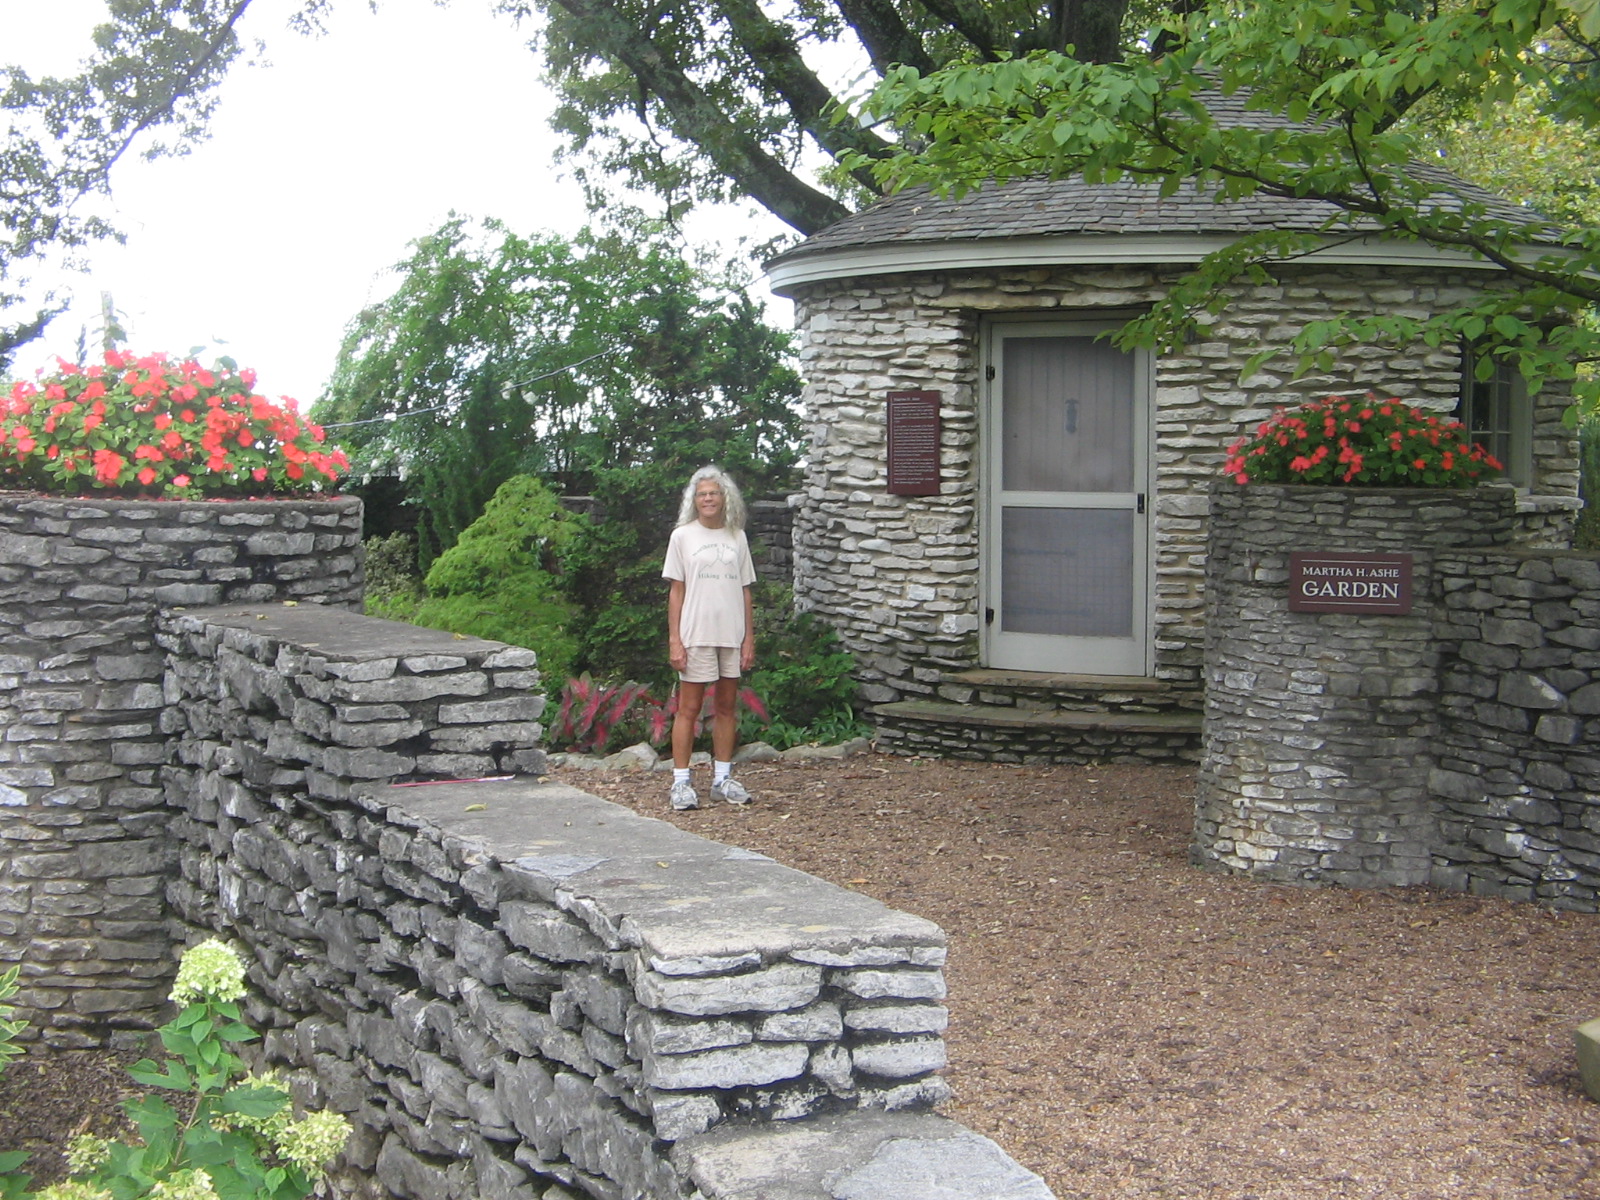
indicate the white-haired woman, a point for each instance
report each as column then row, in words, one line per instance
column 710, row 627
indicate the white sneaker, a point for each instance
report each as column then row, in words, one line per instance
column 683, row 797
column 731, row 790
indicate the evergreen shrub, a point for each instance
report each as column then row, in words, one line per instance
column 499, row 581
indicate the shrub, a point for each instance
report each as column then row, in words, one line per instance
column 498, row 580
column 237, row 1139
column 393, row 588
column 1588, row 532
column 12, row 1181
column 147, row 426
column 592, row 715
column 9, row 1026
column 596, row 717
column 802, row 674
column 1371, row 442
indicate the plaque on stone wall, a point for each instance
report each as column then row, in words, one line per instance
column 1350, row 583
column 913, row 443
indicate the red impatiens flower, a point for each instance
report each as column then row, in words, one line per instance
column 127, row 423
column 1387, row 443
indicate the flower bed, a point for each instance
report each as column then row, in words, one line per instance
column 1370, row 442
column 146, row 426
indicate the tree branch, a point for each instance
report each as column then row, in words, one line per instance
column 885, row 36
column 973, row 20
column 154, row 116
column 777, row 57
column 697, row 118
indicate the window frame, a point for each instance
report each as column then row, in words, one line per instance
column 1498, row 414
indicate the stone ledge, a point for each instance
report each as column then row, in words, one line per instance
column 662, row 890
column 865, row 1156
column 339, row 634
column 1055, row 682
column 994, row 717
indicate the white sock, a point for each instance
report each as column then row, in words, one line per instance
column 680, row 774
column 720, row 771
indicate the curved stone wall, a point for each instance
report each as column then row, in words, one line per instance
column 1318, row 725
column 1453, row 745
column 83, row 857
column 898, row 576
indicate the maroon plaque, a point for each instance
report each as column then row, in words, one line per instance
column 913, row 443
column 1350, row 583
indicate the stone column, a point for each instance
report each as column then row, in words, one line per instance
column 1320, row 728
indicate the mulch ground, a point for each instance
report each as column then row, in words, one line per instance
column 1129, row 1026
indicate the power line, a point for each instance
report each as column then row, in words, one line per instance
column 515, row 383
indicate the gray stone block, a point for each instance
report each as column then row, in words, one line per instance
column 900, row 1059
column 732, row 1067
column 776, row 988
column 884, row 1156
column 904, row 984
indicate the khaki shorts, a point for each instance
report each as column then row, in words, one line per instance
column 707, row 664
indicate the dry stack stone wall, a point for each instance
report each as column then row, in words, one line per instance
column 1453, row 745
column 83, row 856
column 1516, row 775
column 898, row 576
column 515, row 989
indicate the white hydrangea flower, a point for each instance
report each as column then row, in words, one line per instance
column 86, row 1152
column 314, row 1141
column 211, row 970
column 72, row 1190
column 184, row 1185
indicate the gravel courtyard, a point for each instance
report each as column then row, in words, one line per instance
column 1129, row 1026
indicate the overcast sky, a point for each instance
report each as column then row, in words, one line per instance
column 320, row 168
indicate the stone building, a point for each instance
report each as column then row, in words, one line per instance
column 1005, row 517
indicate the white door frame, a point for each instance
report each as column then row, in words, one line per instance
column 1132, row 656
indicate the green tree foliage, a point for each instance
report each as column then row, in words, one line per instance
column 510, row 354
column 498, row 581
column 150, row 79
column 1344, row 75
column 714, row 99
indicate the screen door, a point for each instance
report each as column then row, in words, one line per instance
column 1066, row 558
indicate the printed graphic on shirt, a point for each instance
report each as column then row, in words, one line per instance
column 715, row 567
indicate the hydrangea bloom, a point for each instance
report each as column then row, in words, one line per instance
column 184, row 1185
column 72, row 1190
column 86, row 1152
column 211, row 970
column 314, row 1141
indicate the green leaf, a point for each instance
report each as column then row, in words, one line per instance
column 175, row 1077
column 252, row 1101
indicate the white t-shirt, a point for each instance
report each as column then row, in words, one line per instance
column 715, row 567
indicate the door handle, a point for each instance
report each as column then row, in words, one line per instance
column 1141, row 502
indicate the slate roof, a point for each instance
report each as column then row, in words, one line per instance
column 1032, row 208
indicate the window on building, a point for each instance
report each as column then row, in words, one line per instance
column 1497, row 414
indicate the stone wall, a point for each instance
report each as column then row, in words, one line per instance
column 898, row 577
column 1453, row 745
column 83, row 859
column 516, row 989
column 1515, row 783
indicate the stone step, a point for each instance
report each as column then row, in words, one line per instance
column 989, row 677
column 996, row 716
